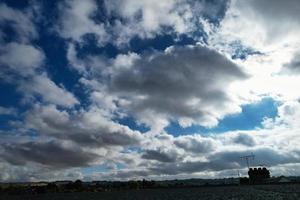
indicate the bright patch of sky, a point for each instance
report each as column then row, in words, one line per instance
column 250, row 118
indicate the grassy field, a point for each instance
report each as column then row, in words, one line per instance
column 259, row 192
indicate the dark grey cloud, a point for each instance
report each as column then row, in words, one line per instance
column 293, row 67
column 159, row 156
column 217, row 162
column 188, row 84
column 214, row 162
column 244, row 139
column 52, row 154
column 285, row 10
column 195, row 144
column 167, row 168
column 266, row 156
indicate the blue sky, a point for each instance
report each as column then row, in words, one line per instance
column 250, row 118
column 144, row 89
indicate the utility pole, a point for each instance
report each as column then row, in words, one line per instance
column 248, row 158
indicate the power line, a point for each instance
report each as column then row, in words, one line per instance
column 248, row 158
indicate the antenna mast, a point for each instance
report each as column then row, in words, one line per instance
column 248, row 158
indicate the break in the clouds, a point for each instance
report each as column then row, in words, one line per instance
column 147, row 89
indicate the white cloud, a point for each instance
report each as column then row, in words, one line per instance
column 124, row 20
column 21, row 58
column 195, row 144
column 160, row 155
column 21, row 23
column 288, row 115
column 87, row 128
column 41, row 85
column 76, row 21
column 151, row 16
column 253, row 22
column 20, row 64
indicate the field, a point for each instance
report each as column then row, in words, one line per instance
column 259, row 192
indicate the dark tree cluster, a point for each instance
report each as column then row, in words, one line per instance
column 76, row 186
column 258, row 175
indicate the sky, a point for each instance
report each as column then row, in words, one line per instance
column 130, row 89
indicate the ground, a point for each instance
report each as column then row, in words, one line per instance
column 259, row 192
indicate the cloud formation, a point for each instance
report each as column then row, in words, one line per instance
column 88, row 128
column 20, row 22
column 52, row 154
column 188, row 84
column 94, row 85
column 293, row 67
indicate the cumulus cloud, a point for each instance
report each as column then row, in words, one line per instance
column 124, row 20
column 276, row 147
column 160, row 156
column 33, row 172
column 132, row 18
column 293, row 67
column 42, row 86
column 89, row 128
column 76, row 21
column 195, row 143
column 188, row 84
column 20, row 22
column 22, row 62
column 224, row 159
column 149, row 17
column 20, row 66
column 272, row 44
column 223, row 162
column 22, row 59
column 288, row 113
column 253, row 23
column 245, row 139
column 52, row 154
column 196, row 84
